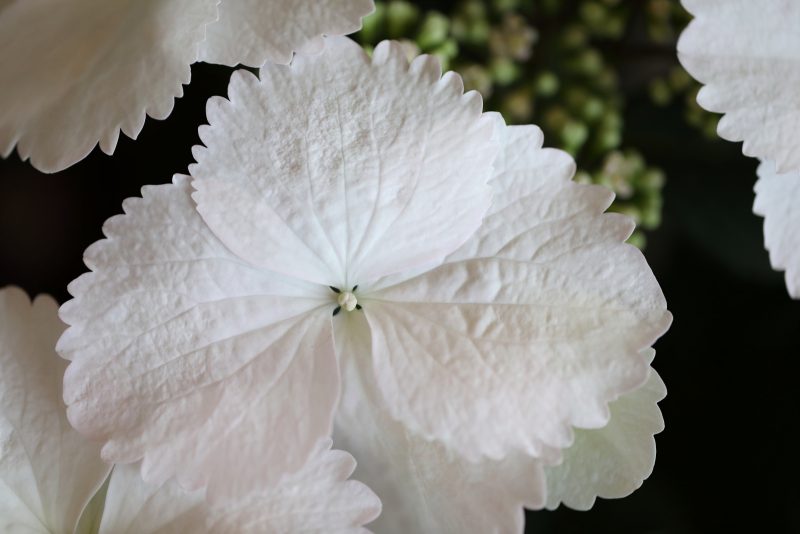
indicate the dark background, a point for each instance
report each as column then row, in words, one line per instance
column 727, row 460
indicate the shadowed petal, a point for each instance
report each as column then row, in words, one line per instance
column 75, row 74
column 252, row 32
column 48, row 472
column 184, row 354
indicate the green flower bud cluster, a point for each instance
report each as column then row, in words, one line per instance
column 543, row 62
column 638, row 188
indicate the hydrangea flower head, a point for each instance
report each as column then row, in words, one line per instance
column 75, row 74
column 358, row 235
column 748, row 56
column 49, row 473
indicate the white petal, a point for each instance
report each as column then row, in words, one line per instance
column 532, row 327
column 73, row 74
column 423, row 486
column 252, row 32
column 316, row 499
column 778, row 201
column 338, row 169
column 185, row 354
column 48, row 472
column 748, row 55
column 135, row 507
column 613, row 461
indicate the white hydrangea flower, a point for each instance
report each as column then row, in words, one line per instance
column 340, row 239
column 49, row 473
column 778, row 201
column 75, row 74
column 748, row 56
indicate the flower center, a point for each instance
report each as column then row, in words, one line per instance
column 346, row 300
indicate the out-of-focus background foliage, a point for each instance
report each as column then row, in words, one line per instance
column 602, row 80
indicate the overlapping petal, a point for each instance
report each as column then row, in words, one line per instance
column 778, row 201
column 318, row 498
column 613, row 461
column 748, row 56
column 184, row 354
column 312, row 170
column 132, row 506
column 253, row 32
column 424, row 487
column 76, row 73
column 48, row 472
column 530, row 328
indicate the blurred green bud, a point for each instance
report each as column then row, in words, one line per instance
column 477, row 78
column 606, row 79
column 513, row 38
column 651, row 180
column 401, row 17
column 504, row 71
column 651, row 205
column 613, row 27
column 589, row 62
column 593, row 13
column 546, row 84
column 372, row 28
column 478, row 32
column 592, row 109
column 628, row 209
column 583, row 177
column 659, row 9
column 574, row 135
column 446, row 52
column 518, row 106
column 555, row 117
column 574, row 36
column 433, row 31
column 638, row 239
column 660, row 92
column 474, row 9
column 679, row 79
column 506, row 5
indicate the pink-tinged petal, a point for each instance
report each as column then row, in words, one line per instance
column 318, row 498
column 184, row 354
column 134, row 507
column 253, row 32
column 531, row 328
column 48, row 472
column 424, row 486
column 332, row 169
column 748, row 56
column 613, row 461
column 778, row 201
column 75, row 74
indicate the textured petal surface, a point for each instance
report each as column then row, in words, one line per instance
column 252, row 32
column 778, row 201
column 531, row 327
column 188, row 356
column 48, row 472
column 318, row 498
column 73, row 74
column 613, row 461
column 135, row 507
column 333, row 168
column 748, row 56
column 423, row 486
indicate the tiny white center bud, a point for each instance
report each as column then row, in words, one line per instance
column 347, row 300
